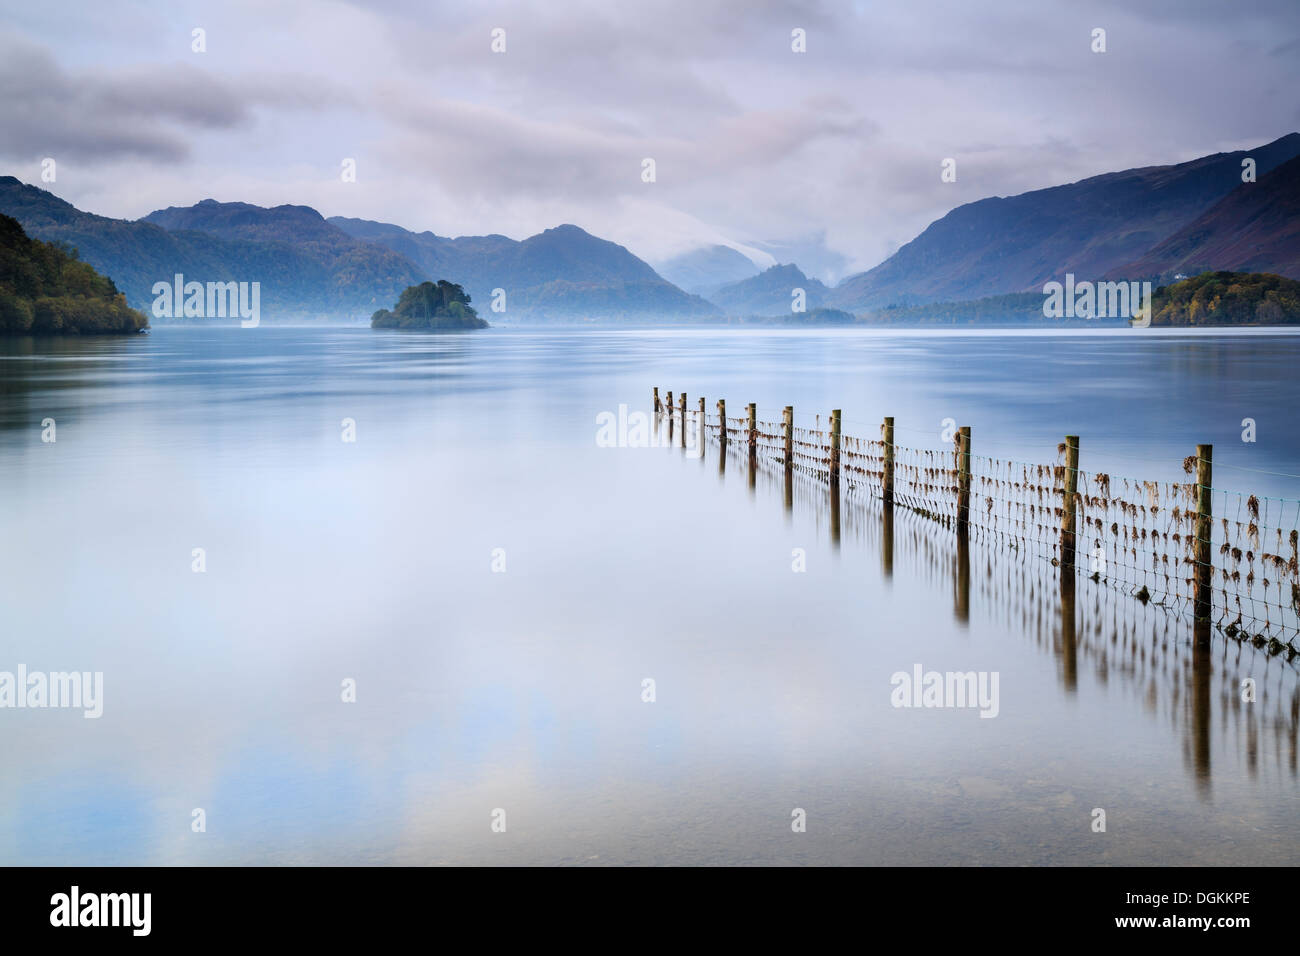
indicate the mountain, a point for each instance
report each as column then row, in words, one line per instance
column 1255, row 228
column 562, row 273
column 770, row 293
column 241, row 220
column 466, row 260
column 815, row 258
column 704, row 271
column 1001, row 245
column 311, row 267
column 326, row 274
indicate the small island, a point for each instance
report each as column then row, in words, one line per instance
column 444, row 306
column 46, row 290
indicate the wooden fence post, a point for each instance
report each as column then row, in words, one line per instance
column 683, row 407
column 702, row 432
column 657, row 399
column 722, row 422
column 887, row 491
column 1204, row 530
column 835, row 444
column 963, row 477
column 1069, row 521
column 787, row 423
column 753, row 444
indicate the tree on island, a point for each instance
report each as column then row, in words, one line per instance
column 1228, row 298
column 45, row 289
column 429, row 306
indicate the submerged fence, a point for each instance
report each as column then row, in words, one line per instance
column 1226, row 559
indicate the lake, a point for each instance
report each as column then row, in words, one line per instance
column 495, row 589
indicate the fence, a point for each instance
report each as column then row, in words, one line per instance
column 1224, row 558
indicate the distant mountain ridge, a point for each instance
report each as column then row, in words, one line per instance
column 770, row 293
column 309, row 267
column 1015, row 244
column 241, row 220
column 561, row 273
column 1147, row 223
column 331, row 274
column 705, row 270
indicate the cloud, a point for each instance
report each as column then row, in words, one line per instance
column 753, row 142
column 150, row 112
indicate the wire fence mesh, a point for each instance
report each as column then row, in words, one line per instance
column 1132, row 535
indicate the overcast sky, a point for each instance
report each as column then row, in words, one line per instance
column 752, row 141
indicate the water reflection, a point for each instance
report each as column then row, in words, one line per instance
column 1171, row 662
column 887, row 540
column 961, row 580
column 479, row 688
column 1069, row 639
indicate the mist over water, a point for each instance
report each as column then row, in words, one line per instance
column 371, row 560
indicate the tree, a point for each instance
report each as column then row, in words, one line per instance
column 441, row 305
column 45, row 288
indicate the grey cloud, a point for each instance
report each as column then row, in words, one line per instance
column 753, row 142
column 47, row 111
column 480, row 152
column 493, row 155
column 145, row 112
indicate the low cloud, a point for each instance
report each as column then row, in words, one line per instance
column 753, row 142
column 150, row 112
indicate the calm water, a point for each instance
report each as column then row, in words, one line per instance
column 371, row 561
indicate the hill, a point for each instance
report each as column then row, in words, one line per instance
column 770, row 293
column 704, row 271
column 45, row 289
column 561, row 273
column 328, row 273
column 1002, row 245
column 469, row 259
column 1255, row 228
column 241, row 220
